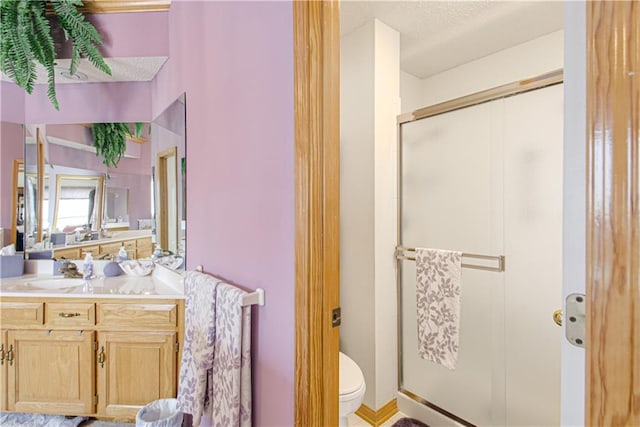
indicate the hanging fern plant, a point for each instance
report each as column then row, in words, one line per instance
column 25, row 39
column 110, row 140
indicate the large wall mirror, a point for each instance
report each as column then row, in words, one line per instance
column 73, row 204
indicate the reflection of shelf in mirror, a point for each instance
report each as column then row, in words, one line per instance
column 70, row 144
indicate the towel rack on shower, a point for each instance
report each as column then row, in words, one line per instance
column 252, row 298
column 405, row 253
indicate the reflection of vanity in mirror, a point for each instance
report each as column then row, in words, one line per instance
column 74, row 205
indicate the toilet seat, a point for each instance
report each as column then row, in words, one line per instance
column 351, row 378
column 353, row 395
column 351, row 388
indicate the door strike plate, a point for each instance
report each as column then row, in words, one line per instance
column 336, row 317
column 575, row 329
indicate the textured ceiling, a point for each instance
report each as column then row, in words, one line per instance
column 140, row 69
column 439, row 35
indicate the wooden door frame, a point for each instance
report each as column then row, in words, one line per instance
column 317, row 210
column 613, row 214
column 162, row 159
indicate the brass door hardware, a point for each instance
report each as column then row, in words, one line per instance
column 557, row 317
column 1, row 354
column 101, row 357
column 10, row 355
column 63, row 314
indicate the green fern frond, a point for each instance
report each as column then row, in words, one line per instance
column 25, row 38
column 110, row 140
column 75, row 59
column 17, row 56
column 138, row 129
column 84, row 35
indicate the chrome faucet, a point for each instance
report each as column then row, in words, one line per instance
column 70, row 270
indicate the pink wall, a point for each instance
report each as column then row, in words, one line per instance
column 234, row 60
column 11, row 137
column 91, row 102
column 12, row 103
column 130, row 34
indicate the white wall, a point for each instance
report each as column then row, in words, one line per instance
column 387, row 107
column 369, row 105
column 356, row 201
column 410, row 92
column 573, row 358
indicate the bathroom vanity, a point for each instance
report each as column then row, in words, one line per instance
column 103, row 351
column 137, row 244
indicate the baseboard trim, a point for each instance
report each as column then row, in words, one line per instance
column 377, row 418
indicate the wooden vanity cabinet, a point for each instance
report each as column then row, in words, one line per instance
column 3, row 370
column 68, row 253
column 51, row 371
column 97, row 357
column 140, row 247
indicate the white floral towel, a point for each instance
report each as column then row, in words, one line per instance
column 438, row 275
column 199, row 341
column 230, row 383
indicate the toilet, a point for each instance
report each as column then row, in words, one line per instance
column 352, row 388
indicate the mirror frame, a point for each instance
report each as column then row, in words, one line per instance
column 162, row 159
column 40, row 184
column 18, row 166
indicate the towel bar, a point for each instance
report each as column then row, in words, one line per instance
column 251, row 298
column 500, row 258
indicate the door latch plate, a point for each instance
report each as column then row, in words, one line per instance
column 336, row 317
column 574, row 319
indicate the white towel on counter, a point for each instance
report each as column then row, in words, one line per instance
column 438, row 287
column 199, row 343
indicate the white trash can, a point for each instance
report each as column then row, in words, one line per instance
column 160, row 413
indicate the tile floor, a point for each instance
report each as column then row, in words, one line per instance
column 356, row 421
column 98, row 423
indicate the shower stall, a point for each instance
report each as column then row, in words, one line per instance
column 483, row 175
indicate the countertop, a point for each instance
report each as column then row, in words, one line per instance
column 161, row 283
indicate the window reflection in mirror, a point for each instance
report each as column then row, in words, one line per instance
column 78, row 203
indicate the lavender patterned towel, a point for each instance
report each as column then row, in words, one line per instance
column 199, row 341
column 231, row 375
column 438, row 301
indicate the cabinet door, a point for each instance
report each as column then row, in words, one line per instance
column 51, row 372
column 94, row 250
column 68, row 253
column 134, row 368
column 110, row 249
column 3, row 370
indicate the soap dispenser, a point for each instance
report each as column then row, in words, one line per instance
column 122, row 254
column 87, row 268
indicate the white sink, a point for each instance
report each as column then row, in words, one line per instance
column 56, row 283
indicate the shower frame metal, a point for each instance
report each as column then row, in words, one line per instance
column 510, row 89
